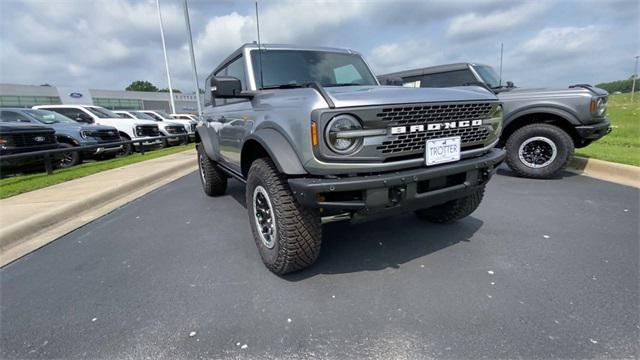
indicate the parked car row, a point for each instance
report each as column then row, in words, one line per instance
column 48, row 127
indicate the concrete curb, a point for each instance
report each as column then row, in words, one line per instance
column 14, row 235
column 604, row 170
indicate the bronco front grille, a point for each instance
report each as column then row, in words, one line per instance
column 409, row 115
column 426, row 114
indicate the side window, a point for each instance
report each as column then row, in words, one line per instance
column 447, row 79
column 13, row 116
column 347, row 74
column 236, row 69
column 68, row 112
column 156, row 117
column 125, row 115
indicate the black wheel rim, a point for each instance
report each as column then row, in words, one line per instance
column 67, row 159
column 201, row 163
column 537, row 152
column 264, row 217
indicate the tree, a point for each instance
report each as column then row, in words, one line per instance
column 167, row 90
column 141, row 85
column 620, row 85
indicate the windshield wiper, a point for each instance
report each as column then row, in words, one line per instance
column 344, row 84
column 285, row 86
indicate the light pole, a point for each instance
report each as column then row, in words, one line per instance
column 193, row 58
column 166, row 59
column 635, row 75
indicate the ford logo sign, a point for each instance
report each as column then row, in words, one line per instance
column 75, row 95
column 39, row 138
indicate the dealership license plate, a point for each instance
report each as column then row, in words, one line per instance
column 443, row 150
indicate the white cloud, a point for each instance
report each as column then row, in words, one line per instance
column 109, row 43
column 562, row 43
column 476, row 25
column 404, row 55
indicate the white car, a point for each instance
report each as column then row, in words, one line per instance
column 129, row 129
column 166, row 128
column 185, row 117
column 160, row 115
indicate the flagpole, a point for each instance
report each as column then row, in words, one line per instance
column 166, row 59
column 193, row 58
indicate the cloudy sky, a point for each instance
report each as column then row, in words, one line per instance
column 106, row 44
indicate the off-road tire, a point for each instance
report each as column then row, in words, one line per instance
column 298, row 229
column 73, row 159
column 564, row 150
column 214, row 181
column 452, row 210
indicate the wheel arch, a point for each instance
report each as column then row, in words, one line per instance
column 62, row 138
column 270, row 143
column 557, row 117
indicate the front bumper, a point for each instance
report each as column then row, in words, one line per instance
column 404, row 190
column 595, row 131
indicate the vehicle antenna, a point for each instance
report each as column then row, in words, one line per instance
column 501, row 52
column 259, row 48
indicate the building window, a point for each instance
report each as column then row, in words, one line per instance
column 28, row 101
column 119, row 104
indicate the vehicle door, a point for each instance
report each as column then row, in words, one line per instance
column 231, row 120
column 74, row 114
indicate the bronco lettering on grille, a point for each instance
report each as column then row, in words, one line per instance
column 434, row 127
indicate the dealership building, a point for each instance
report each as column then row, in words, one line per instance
column 12, row 95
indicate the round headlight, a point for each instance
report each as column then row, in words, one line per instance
column 338, row 142
column 601, row 106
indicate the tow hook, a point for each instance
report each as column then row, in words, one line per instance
column 396, row 194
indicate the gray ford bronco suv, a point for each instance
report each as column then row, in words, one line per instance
column 315, row 138
column 542, row 127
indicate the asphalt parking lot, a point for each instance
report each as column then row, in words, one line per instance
column 544, row 269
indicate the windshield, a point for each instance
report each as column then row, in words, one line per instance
column 49, row 117
column 298, row 67
column 163, row 114
column 141, row 115
column 102, row 112
column 488, row 75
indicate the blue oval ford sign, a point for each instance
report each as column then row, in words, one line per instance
column 75, row 95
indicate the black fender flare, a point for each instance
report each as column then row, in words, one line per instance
column 209, row 143
column 557, row 111
column 66, row 139
column 279, row 149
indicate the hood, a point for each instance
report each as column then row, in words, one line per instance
column 528, row 92
column 348, row 96
column 16, row 127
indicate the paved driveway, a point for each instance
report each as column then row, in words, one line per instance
column 543, row 269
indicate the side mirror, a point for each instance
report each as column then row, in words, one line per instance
column 84, row 118
column 510, row 84
column 225, row 87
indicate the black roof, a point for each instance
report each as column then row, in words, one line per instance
column 429, row 70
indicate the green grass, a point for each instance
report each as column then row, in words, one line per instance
column 15, row 185
column 622, row 145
